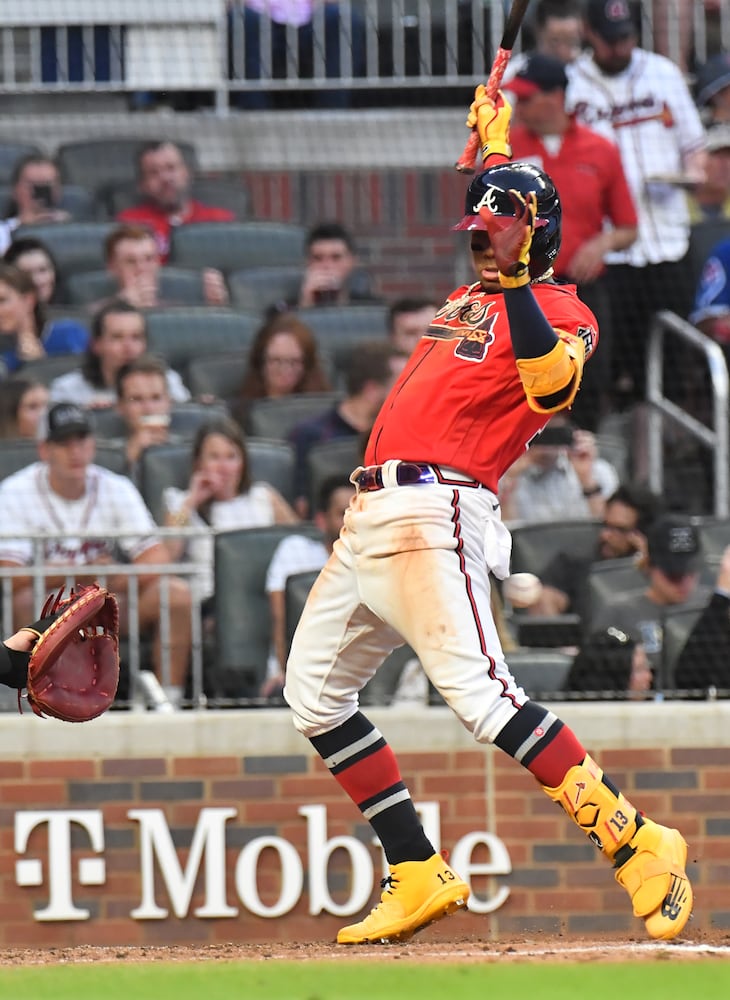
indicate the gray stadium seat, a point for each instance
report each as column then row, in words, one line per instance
column 160, row 466
column 703, row 238
column 339, row 328
column 611, row 577
column 230, row 246
column 220, row 375
column 242, row 619
column 179, row 285
column 109, row 160
column 11, row 153
column 218, row 191
column 332, row 458
column 76, row 246
column 272, row 462
column 535, row 544
column 185, row 418
column 181, row 335
column 540, row 672
column 274, row 418
column 16, row 454
column 260, row 287
column 677, row 627
column 75, row 200
column 46, row 369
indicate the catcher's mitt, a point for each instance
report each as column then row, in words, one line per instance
column 73, row 669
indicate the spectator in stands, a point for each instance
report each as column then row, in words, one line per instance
column 610, row 662
column 711, row 309
column 164, row 182
column 712, row 87
column 599, row 216
column 329, row 269
column 640, row 100
column 300, row 554
column 222, row 495
column 711, row 198
column 65, row 492
column 118, row 336
column 22, row 404
column 143, row 402
column 704, row 662
column 284, row 359
column 133, row 261
column 559, row 475
column 22, row 316
column 408, row 320
column 558, row 33
column 673, row 562
column 34, row 257
column 371, row 373
column 36, row 188
column 629, row 512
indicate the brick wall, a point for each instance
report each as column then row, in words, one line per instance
column 558, row 881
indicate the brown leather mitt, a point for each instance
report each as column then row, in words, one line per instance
column 73, row 669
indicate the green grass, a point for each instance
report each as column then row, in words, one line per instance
column 383, row 979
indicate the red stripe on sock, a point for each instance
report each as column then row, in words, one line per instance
column 553, row 763
column 370, row 775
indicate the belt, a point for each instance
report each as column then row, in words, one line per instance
column 378, row 477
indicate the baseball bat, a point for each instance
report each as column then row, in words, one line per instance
column 465, row 163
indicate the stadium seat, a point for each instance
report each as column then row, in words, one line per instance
column 332, row 458
column 339, row 328
column 76, row 246
column 703, row 238
column 16, row 454
column 258, row 288
column 185, row 418
column 181, row 335
column 609, row 577
column 677, row 626
column 230, row 246
column 541, row 672
column 242, row 619
column 218, row 191
column 160, row 466
column 11, row 153
column 274, row 418
column 75, row 200
column 109, row 160
column 535, row 544
column 272, row 462
column 179, row 285
column 48, row 368
column 220, row 375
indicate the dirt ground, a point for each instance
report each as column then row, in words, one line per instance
column 546, row 948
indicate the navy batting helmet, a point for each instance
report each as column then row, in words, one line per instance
column 490, row 189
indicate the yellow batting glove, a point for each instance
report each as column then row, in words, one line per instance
column 492, row 120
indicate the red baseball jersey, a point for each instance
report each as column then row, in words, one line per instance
column 459, row 401
column 161, row 223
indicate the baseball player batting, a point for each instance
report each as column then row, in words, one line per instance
column 420, row 538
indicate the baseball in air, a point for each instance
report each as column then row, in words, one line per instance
column 521, row 589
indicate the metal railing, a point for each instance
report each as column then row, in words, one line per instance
column 222, row 46
column 135, row 573
column 661, row 408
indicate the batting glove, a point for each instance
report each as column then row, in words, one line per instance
column 511, row 239
column 492, row 119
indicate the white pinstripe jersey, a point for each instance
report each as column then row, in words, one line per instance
column 111, row 503
column 649, row 112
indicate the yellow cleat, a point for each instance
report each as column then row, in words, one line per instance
column 655, row 878
column 415, row 894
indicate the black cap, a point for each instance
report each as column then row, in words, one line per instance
column 674, row 545
column 611, row 19
column 539, row 73
column 712, row 77
column 64, row 421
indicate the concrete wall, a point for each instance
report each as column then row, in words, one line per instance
column 101, row 825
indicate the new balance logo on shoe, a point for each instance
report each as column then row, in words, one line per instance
column 675, row 899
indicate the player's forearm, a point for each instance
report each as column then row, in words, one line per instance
column 532, row 336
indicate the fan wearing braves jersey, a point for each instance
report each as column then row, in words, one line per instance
column 422, row 535
column 66, row 496
column 640, row 101
column 711, row 310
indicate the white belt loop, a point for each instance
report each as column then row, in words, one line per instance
column 388, row 472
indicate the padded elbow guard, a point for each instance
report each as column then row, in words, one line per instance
column 559, row 368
